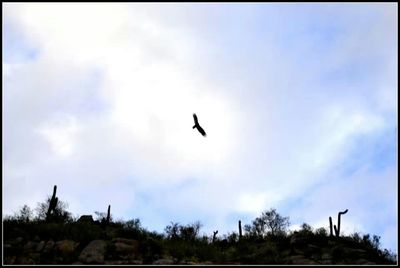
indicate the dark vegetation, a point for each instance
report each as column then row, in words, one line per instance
column 266, row 240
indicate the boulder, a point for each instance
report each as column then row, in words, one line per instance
column 164, row 262
column 93, row 253
column 354, row 252
column 30, row 246
column 49, row 246
column 10, row 260
column 40, row 246
column 126, row 249
column 299, row 259
column 122, row 262
column 86, row 219
column 187, row 262
column 363, row 262
column 66, row 247
column 19, row 240
column 35, row 257
column 7, row 246
column 122, row 248
column 135, row 262
column 24, row 260
column 206, row 263
column 115, row 262
column 125, row 241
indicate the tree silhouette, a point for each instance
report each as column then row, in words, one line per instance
column 25, row 214
column 270, row 222
column 60, row 212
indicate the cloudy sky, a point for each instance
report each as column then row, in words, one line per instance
column 299, row 102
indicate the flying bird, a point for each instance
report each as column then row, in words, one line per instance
column 196, row 125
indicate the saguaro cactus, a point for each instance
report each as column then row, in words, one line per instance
column 108, row 214
column 337, row 229
column 52, row 204
column 215, row 234
column 240, row 229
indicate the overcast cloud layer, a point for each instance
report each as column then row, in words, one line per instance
column 299, row 102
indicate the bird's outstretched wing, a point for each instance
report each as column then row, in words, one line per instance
column 201, row 130
column 195, row 119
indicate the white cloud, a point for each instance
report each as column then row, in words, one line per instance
column 61, row 135
column 9, row 69
column 257, row 202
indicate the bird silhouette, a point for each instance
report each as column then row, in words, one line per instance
column 199, row 128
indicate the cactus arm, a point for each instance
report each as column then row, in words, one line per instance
column 343, row 212
column 215, row 234
column 53, row 203
column 339, row 216
column 240, row 229
column 108, row 214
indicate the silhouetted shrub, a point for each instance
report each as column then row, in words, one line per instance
column 102, row 217
column 154, row 235
column 281, row 240
column 306, row 229
column 130, row 229
column 356, row 237
column 85, row 232
column 321, row 237
column 268, row 253
column 337, row 254
column 185, row 232
column 133, row 224
column 50, row 230
column 269, row 223
column 151, row 249
column 207, row 252
column 172, row 230
column 25, row 214
column 177, row 249
column 321, row 232
column 389, row 256
column 232, row 238
column 60, row 211
column 190, row 231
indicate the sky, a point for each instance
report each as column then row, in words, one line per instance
column 299, row 102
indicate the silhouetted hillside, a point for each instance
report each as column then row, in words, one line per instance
column 54, row 237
